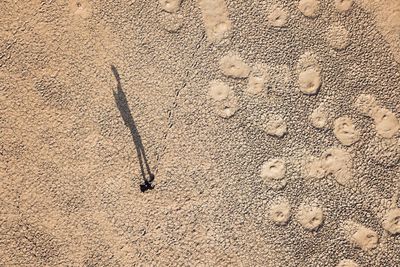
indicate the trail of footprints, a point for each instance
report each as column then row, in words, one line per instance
column 335, row 162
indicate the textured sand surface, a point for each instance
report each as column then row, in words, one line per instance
column 204, row 132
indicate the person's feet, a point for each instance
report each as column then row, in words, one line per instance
column 147, row 184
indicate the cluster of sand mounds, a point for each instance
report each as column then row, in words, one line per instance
column 309, row 74
column 228, row 192
column 386, row 123
column 216, row 19
column 308, row 70
column 334, row 161
column 258, row 75
column 223, row 98
column 309, row 215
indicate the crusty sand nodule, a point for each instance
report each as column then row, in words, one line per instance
column 200, row 133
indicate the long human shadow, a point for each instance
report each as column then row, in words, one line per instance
column 123, row 107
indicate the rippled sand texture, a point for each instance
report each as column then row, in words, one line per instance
column 200, row 133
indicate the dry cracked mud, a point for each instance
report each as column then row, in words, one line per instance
column 199, row 133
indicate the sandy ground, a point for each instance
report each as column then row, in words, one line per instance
column 209, row 132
